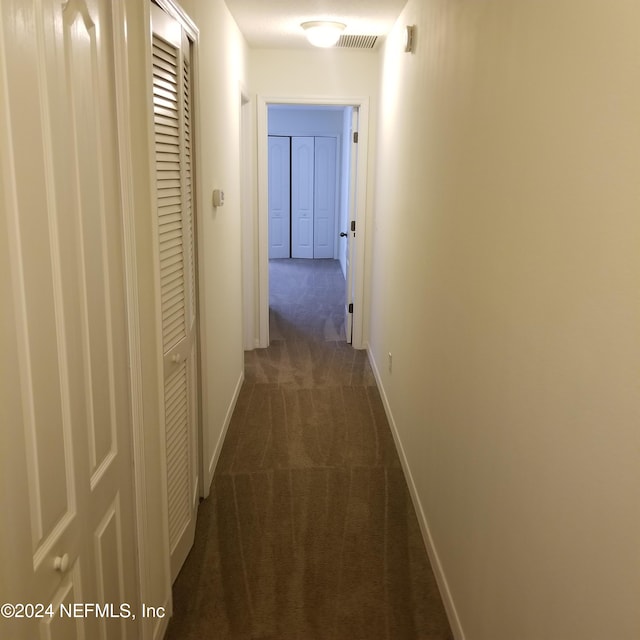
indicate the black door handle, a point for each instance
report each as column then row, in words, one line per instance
column 343, row 234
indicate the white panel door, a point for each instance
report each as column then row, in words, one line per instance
column 173, row 135
column 302, row 176
column 69, row 534
column 351, row 234
column 279, row 197
column 324, row 210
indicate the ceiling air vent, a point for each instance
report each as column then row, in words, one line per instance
column 357, row 42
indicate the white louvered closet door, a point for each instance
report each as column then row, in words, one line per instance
column 173, row 150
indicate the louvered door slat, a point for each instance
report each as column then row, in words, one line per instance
column 166, row 147
column 162, row 110
column 171, row 241
column 164, row 89
column 177, row 415
column 165, row 98
column 169, row 253
column 173, row 331
column 167, row 157
column 169, row 105
column 164, row 82
column 169, row 210
column 173, row 306
column 162, row 76
column 165, row 125
column 168, row 200
column 171, row 281
column 174, row 298
column 165, row 51
column 167, row 138
column 172, row 233
column 162, row 62
column 169, row 274
column 173, row 301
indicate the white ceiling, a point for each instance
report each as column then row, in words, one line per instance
column 275, row 24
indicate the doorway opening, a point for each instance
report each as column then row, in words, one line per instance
column 311, row 198
column 309, row 159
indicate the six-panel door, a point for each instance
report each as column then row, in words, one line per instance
column 69, row 443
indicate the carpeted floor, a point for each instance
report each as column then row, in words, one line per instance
column 309, row 532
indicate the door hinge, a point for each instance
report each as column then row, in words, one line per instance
column 351, row 307
column 355, row 137
column 353, row 225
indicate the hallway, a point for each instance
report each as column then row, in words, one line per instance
column 309, row 531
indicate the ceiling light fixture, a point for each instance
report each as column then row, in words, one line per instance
column 321, row 33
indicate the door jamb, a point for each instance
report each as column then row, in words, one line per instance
column 141, row 469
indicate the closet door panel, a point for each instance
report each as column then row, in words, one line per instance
column 302, row 196
column 173, row 136
column 324, row 210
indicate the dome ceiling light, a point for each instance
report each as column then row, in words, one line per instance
column 323, row 33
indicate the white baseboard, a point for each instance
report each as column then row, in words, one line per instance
column 227, row 420
column 436, row 565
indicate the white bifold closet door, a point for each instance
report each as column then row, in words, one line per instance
column 173, row 128
column 313, row 197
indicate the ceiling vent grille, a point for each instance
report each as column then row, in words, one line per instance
column 357, row 42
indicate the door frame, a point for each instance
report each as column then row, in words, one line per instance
column 362, row 104
column 140, row 464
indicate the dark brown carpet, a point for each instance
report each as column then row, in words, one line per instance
column 309, row 532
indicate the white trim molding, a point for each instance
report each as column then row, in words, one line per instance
column 213, row 462
column 133, row 306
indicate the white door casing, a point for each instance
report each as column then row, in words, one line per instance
column 173, row 140
column 279, row 197
column 324, row 197
column 67, row 446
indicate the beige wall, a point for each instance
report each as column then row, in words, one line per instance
column 314, row 73
column 222, row 62
column 505, row 283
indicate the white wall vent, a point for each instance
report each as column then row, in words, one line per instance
column 357, row 42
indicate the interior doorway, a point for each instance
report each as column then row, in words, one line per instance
column 329, row 129
column 309, row 158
